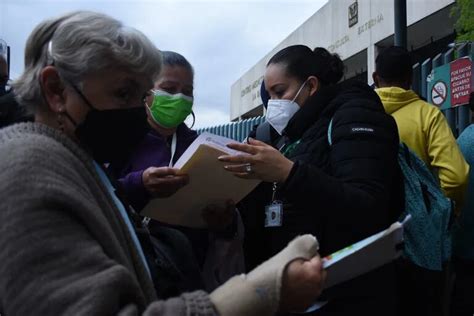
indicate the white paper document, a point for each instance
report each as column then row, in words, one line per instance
column 209, row 183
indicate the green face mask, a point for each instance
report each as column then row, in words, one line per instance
column 170, row 110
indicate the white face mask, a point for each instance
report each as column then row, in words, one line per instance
column 279, row 112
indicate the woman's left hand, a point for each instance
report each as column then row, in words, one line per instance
column 263, row 162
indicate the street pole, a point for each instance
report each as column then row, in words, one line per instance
column 401, row 23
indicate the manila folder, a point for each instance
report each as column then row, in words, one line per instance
column 209, row 183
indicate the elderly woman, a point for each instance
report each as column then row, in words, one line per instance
column 69, row 245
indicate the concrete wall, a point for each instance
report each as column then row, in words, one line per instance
column 329, row 27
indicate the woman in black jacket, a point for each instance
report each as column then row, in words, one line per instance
column 335, row 176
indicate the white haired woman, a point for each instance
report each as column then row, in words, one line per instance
column 68, row 245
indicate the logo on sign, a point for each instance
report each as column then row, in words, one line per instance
column 439, row 93
column 353, row 14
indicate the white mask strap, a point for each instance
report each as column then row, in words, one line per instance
column 301, row 88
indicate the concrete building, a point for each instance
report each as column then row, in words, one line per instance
column 356, row 30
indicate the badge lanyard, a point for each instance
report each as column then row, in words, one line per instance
column 274, row 211
column 173, row 149
column 174, row 142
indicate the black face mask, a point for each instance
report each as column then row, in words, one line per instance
column 111, row 135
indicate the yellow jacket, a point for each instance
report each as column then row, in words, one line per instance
column 425, row 130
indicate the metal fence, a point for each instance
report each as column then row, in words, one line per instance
column 458, row 118
column 235, row 130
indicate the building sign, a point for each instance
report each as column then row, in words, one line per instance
column 461, row 81
column 370, row 23
column 353, row 14
column 338, row 43
column 450, row 85
column 253, row 89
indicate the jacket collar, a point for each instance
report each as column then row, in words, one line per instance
column 308, row 114
column 324, row 103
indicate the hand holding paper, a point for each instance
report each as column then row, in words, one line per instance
column 305, row 277
column 209, row 184
column 266, row 163
column 163, row 181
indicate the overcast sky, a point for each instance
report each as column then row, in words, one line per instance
column 221, row 38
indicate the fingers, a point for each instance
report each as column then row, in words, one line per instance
column 237, row 168
column 316, row 262
column 237, row 159
column 316, row 273
column 249, row 149
column 172, row 181
column 254, row 142
column 162, row 171
column 302, row 284
column 313, row 268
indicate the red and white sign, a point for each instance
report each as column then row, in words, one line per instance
column 461, row 81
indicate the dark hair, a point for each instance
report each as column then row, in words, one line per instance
column 174, row 59
column 394, row 65
column 264, row 95
column 301, row 62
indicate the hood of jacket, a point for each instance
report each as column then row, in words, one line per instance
column 395, row 98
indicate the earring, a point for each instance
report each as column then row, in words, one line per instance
column 60, row 121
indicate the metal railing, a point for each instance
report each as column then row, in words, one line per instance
column 459, row 117
column 235, row 130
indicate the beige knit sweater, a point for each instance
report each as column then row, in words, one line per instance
column 64, row 248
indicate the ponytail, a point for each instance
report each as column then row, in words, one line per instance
column 330, row 65
column 301, row 62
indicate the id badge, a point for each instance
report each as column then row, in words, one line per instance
column 274, row 214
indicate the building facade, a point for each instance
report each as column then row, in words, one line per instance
column 356, row 30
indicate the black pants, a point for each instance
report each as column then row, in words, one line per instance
column 420, row 291
column 372, row 294
column 462, row 301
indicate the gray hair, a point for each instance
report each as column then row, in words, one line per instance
column 174, row 59
column 81, row 43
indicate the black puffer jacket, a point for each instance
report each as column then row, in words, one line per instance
column 341, row 193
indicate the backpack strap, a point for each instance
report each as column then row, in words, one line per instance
column 330, row 132
column 406, row 152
